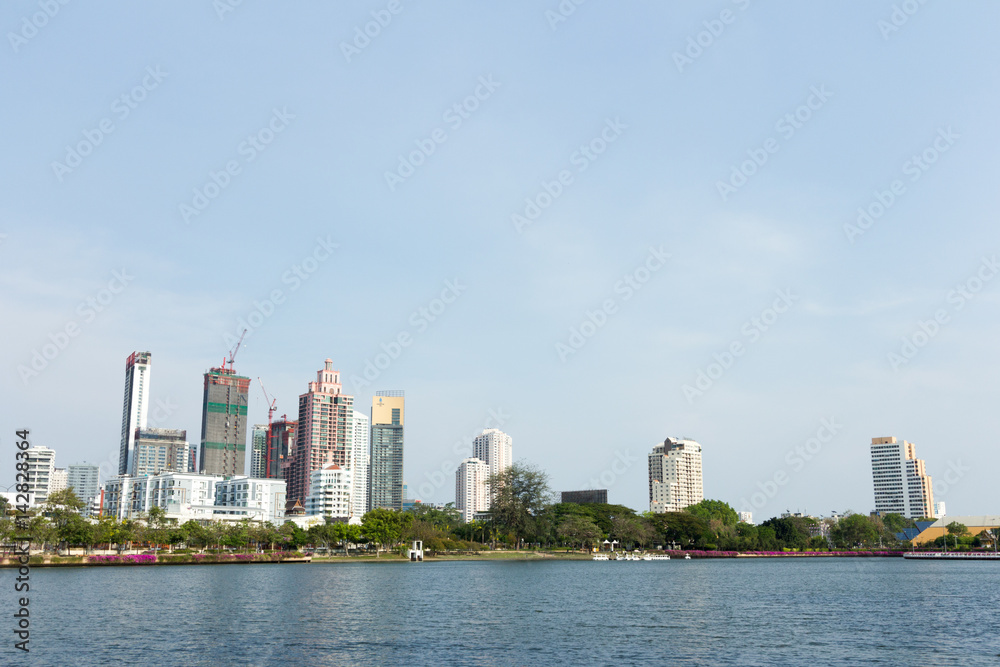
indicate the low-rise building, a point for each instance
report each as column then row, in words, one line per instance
column 330, row 492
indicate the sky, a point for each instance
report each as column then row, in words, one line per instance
column 769, row 227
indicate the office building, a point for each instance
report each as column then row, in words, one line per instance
column 902, row 485
column 258, row 450
column 224, row 423
column 84, row 479
column 330, row 492
column 472, row 491
column 385, row 464
column 675, row 479
column 359, row 463
column 281, row 447
column 135, row 407
column 41, row 465
column 589, row 496
column 494, row 447
column 159, row 450
column 323, row 435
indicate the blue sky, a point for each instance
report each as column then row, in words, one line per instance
column 200, row 86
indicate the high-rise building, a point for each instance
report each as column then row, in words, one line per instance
column 493, row 447
column 359, row 463
column 224, row 423
column 281, row 448
column 41, row 464
column 135, row 407
column 940, row 509
column 84, row 479
column 675, row 479
column 385, row 465
column 159, row 450
column 258, row 451
column 472, row 493
column 330, row 492
column 902, row 485
column 323, row 435
column 58, row 481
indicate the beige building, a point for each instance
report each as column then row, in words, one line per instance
column 902, row 485
column 675, row 479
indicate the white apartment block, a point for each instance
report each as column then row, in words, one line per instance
column 493, row 447
column 359, row 463
column 472, row 493
column 186, row 496
column 41, row 465
column 675, row 479
column 902, row 485
column 253, row 498
column 330, row 492
column 59, row 480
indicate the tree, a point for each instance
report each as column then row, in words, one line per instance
column 578, row 530
column 682, row 528
column 957, row 529
column 791, row 532
column 382, row 527
column 855, row 530
column 715, row 509
column 520, row 494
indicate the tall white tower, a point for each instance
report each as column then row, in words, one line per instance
column 359, row 464
column 471, row 491
column 675, row 479
column 135, row 407
column 494, row 448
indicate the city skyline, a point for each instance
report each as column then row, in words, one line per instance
column 731, row 236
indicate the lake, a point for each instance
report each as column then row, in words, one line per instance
column 718, row 612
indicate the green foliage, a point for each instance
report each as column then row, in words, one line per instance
column 790, row 532
column 715, row 509
column 521, row 495
column 956, row 528
column 384, row 527
column 853, row 531
column 897, row 523
column 579, row 530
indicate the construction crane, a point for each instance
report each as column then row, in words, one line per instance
column 232, row 353
column 271, row 407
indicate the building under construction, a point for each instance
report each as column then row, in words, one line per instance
column 224, row 423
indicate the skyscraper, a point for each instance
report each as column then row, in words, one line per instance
column 902, row 485
column 675, row 479
column 323, row 435
column 472, row 493
column 359, row 463
column 224, row 423
column 493, row 447
column 385, row 466
column 41, row 464
column 84, row 479
column 258, row 451
column 136, row 406
column 281, row 448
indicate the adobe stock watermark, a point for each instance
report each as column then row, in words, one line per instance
column 249, row 149
column 30, row 25
column 562, row 12
column 294, row 277
column 956, row 298
column 899, row 17
column 752, row 330
column 463, row 450
column 915, row 168
column 956, row 471
column 381, row 18
column 86, row 311
column 796, row 459
column 620, row 464
column 581, row 158
column 223, row 7
column 626, row 288
column 420, row 320
column 698, row 43
column 786, row 126
column 122, row 108
column 454, row 116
